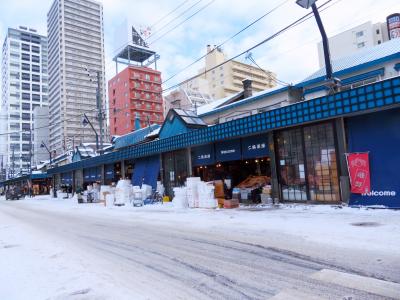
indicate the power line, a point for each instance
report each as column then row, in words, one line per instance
column 168, row 14
column 291, row 25
column 179, row 24
column 171, row 21
column 230, row 38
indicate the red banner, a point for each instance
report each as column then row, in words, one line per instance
column 358, row 164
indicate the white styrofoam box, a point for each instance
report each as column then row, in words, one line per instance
column 103, row 189
column 180, row 199
column 110, row 199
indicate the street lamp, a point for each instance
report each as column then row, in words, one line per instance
column 85, row 122
column 333, row 82
column 100, row 113
column 43, row 145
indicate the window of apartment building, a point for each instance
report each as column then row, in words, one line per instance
column 35, row 97
column 147, row 96
column 35, row 68
column 359, row 34
column 125, row 84
column 361, row 45
column 126, row 94
column 26, row 126
column 25, row 47
column 26, row 147
column 156, row 78
column 118, row 79
column 26, row 76
column 34, row 106
column 26, row 106
column 137, row 84
column 35, row 49
column 44, row 89
column 26, row 67
column 35, row 58
column 26, row 86
column 26, row 116
column 35, row 87
column 35, row 78
column 147, row 76
column 26, row 96
column 148, row 105
column 158, row 107
column 25, row 57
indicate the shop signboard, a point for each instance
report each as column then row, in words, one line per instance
column 358, row 164
column 203, row 155
column 109, row 171
column 228, row 150
column 86, row 174
column 255, row 146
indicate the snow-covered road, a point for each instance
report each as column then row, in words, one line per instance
column 58, row 250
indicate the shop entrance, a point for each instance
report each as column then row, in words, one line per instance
column 241, row 166
column 307, row 164
column 176, row 166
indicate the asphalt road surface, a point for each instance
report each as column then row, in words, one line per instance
column 167, row 261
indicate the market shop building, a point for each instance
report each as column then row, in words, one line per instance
column 299, row 143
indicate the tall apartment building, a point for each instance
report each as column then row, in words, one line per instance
column 76, row 41
column 24, row 87
column 360, row 37
column 227, row 79
column 135, row 95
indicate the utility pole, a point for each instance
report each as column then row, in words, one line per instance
column 99, row 104
column 13, row 162
column 30, row 162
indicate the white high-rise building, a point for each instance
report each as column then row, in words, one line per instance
column 24, row 87
column 76, row 41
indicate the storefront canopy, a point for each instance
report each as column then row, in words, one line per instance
column 203, row 155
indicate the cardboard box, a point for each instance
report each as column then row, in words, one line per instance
column 231, row 203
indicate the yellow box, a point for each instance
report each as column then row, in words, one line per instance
column 166, row 199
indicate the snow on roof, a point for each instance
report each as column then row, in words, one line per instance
column 214, row 104
column 153, row 133
column 208, row 110
column 358, row 59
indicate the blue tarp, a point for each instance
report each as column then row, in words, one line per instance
column 255, row 146
column 146, row 171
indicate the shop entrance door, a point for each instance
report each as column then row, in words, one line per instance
column 175, row 170
column 307, row 163
column 291, row 165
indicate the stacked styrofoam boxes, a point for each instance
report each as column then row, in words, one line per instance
column 192, row 191
column 123, row 192
column 180, row 198
column 206, row 195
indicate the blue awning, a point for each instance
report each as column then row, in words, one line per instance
column 66, row 178
column 228, row 150
column 203, row 155
column 255, row 146
column 109, row 171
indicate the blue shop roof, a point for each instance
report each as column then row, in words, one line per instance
column 134, row 137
